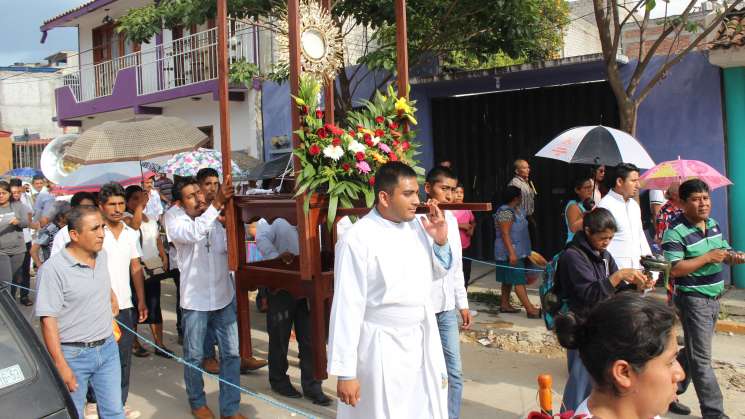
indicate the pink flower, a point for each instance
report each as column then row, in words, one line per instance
column 384, row 148
column 363, row 167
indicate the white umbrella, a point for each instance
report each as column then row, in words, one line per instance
column 597, row 145
column 91, row 177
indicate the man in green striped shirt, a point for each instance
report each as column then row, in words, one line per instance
column 696, row 248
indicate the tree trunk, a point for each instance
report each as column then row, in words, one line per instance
column 627, row 112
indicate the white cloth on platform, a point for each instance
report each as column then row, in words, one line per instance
column 383, row 329
column 276, row 238
column 202, row 254
column 450, row 292
column 629, row 243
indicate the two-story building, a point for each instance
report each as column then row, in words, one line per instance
column 174, row 74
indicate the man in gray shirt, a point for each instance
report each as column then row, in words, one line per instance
column 76, row 306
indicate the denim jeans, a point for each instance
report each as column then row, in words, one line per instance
column 210, row 340
column 98, row 367
column 447, row 322
column 224, row 323
column 127, row 317
column 698, row 316
column 579, row 383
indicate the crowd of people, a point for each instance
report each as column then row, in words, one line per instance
column 400, row 296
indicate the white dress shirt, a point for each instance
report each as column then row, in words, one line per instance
column 60, row 241
column 276, row 238
column 449, row 292
column 119, row 255
column 629, row 243
column 154, row 207
column 202, row 254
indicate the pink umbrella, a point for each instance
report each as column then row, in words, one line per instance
column 666, row 173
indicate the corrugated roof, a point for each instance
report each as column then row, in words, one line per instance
column 74, row 9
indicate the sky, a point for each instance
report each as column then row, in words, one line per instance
column 20, row 21
column 20, row 34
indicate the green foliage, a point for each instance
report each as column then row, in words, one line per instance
column 342, row 162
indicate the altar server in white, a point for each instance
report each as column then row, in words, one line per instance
column 384, row 344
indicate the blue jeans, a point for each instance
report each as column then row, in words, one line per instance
column 579, row 384
column 225, row 325
column 209, row 344
column 100, row 368
column 447, row 322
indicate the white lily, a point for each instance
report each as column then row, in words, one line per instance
column 375, row 140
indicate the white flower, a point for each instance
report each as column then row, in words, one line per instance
column 333, row 152
column 375, row 140
column 356, row 147
column 360, row 135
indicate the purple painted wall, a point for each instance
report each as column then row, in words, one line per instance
column 124, row 95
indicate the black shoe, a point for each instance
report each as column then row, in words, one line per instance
column 25, row 301
column 164, row 352
column 287, row 390
column 317, row 397
column 679, row 408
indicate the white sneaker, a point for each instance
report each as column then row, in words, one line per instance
column 91, row 411
column 474, row 313
column 129, row 413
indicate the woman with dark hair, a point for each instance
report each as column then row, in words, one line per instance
column 599, row 186
column 511, row 249
column 578, row 204
column 587, row 275
column 14, row 217
column 154, row 263
column 628, row 345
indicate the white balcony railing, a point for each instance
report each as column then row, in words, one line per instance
column 182, row 62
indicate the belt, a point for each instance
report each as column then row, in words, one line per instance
column 93, row 344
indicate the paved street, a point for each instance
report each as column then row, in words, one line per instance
column 499, row 384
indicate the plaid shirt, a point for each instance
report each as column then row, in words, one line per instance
column 666, row 218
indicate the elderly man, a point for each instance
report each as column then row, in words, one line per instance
column 528, row 191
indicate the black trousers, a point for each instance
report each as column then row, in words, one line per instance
column 284, row 312
column 466, row 271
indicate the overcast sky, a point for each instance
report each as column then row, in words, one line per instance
column 19, row 30
column 20, row 21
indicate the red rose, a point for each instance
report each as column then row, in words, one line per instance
column 337, row 131
column 379, row 119
column 328, row 127
column 405, row 145
column 314, row 150
column 345, row 167
column 393, row 125
column 321, row 133
column 369, row 142
column 351, row 133
column 395, row 143
column 319, row 113
column 392, row 156
column 359, row 156
column 336, row 142
column 367, row 137
column 379, row 133
column 371, row 181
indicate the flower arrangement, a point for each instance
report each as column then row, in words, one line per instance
column 344, row 161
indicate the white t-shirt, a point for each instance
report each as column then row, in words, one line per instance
column 119, row 253
column 582, row 409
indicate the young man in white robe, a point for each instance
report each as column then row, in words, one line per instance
column 384, row 344
column 449, row 297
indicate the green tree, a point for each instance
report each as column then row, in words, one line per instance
column 612, row 15
column 461, row 34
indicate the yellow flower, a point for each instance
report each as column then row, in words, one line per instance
column 402, row 106
column 378, row 157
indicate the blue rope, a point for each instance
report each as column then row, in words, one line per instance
column 504, row 266
column 182, row 361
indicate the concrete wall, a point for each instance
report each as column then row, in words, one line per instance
column 27, row 102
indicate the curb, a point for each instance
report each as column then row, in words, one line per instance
column 729, row 326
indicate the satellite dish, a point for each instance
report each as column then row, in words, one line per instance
column 54, row 167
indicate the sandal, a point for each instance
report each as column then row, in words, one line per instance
column 164, row 352
column 538, row 315
column 509, row 310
